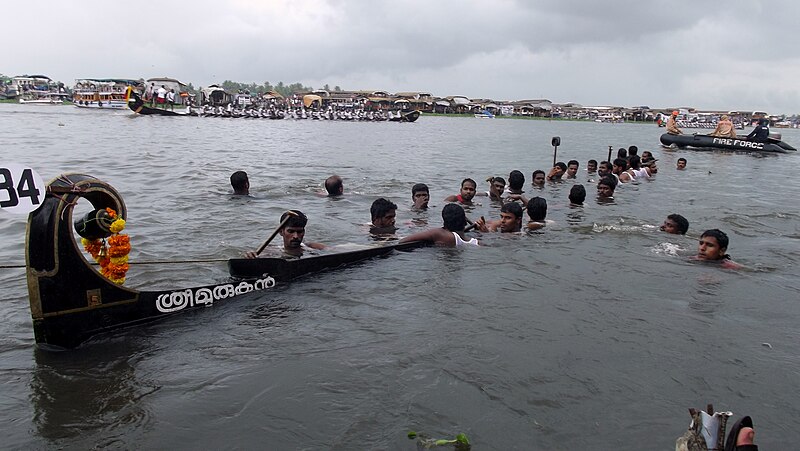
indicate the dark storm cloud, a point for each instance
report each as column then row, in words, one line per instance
column 707, row 54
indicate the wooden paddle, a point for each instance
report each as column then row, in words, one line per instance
column 275, row 232
column 471, row 225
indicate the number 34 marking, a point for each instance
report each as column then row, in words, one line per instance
column 21, row 189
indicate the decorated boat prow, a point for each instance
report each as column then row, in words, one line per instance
column 70, row 299
column 740, row 144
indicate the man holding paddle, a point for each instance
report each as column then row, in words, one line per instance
column 292, row 229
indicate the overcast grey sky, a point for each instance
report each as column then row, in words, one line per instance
column 739, row 55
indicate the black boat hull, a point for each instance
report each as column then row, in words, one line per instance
column 288, row 269
column 706, row 142
column 71, row 301
column 136, row 104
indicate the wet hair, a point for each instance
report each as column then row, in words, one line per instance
column 577, row 194
column 453, row 217
column 621, row 163
column 720, row 236
column 513, row 208
column 468, row 180
column 683, row 223
column 562, row 166
column 419, row 187
column 538, row 171
column 622, row 153
column 635, row 162
column 298, row 219
column 334, row 185
column 516, row 180
column 497, row 180
column 592, row 162
column 632, row 151
column 681, row 159
column 604, row 162
column 380, row 207
column 537, row 209
column 608, row 181
column 575, row 162
column 239, row 181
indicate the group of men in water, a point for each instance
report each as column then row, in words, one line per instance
column 626, row 168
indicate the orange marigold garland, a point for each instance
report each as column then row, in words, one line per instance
column 113, row 256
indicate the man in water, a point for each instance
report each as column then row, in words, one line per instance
column 538, row 178
column 516, row 181
column 712, row 247
column 383, row 214
column 619, row 170
column 591, row 166
column 510, row 220
column 557, row 172
column 675, row 224
column 240, row 183
column 334, row 186
column 604, row 170
column 293, row 232
column 537, row 212
column 605, row 188
column 572, row 169
column 497, row 186
column 468, row 187
column 420, row 195
column 672, row 125
column 681, row 164
column 577, row 194
column 451, row 234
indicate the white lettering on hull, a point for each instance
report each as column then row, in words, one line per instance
column 188, row 298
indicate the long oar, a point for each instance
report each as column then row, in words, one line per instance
column 275, row 232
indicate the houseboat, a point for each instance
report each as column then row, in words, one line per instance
column 103, row 93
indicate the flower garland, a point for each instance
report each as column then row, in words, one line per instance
column 112, row 258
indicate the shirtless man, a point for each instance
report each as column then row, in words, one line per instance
column 672, row 125
column 591, row 167
column 451, row 234
column 293, row 232
column 681, row 164
column 712, row 247
column 334, row 186
column 468, row 187
column 510, row 220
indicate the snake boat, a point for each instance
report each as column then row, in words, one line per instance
column 71, row 300
column 707, row 142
